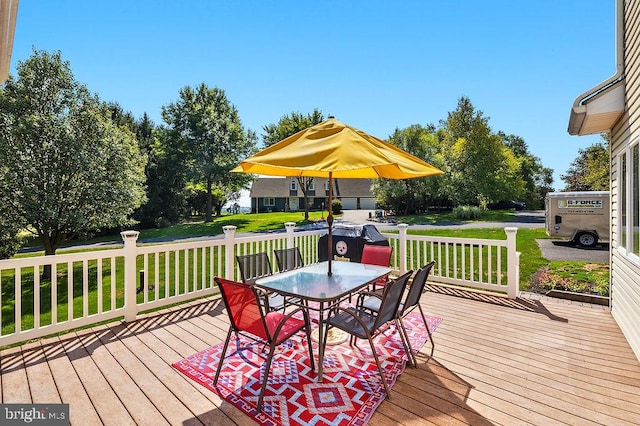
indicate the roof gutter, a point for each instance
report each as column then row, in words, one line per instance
column 579, row 109
column 8, row 12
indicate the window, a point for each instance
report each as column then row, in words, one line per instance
column 312, row 186
column 629, row 200
column 294, row 185
column 622, row 179
column 270, row 201
column 326, row 186
column 635, row 200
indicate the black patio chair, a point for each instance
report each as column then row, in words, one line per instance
column 416, row 289
column 258, row 265
column 364, row 324
column 288, row 259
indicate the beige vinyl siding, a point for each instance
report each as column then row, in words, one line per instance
column 626, row 294
column 625, row 269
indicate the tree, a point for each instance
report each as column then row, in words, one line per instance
column 209, row 138
column 590, row 170
column 67, row 168
column 287, row 126
column 165, row 175
column 411, row 196
column 537, row 178
column 478, row 167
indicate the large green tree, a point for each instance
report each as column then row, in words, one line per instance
column 209, row 139
column 67, row 168
column 290, row 125
column 590, row 170
column 479, row 167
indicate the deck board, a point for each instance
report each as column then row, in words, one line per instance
column 534, row 360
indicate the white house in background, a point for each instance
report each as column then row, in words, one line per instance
column 272, row 193
column 614, row 106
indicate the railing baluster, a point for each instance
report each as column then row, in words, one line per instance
column 69, row 291
column 85, row 288
column 17, row 280
column 36, row 299
column 54, row 292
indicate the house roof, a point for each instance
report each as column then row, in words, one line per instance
column 279, row 187
column 598, row 109
column 8, row 12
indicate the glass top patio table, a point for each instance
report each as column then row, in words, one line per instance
column 311, row 283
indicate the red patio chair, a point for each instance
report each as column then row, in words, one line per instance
column 377, row 255
column 247, row 317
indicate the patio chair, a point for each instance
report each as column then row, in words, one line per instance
column 363, row 324
column 416, row 289
column 248, row 317
column 288, row 259
column 258, row 265
column 377, row 255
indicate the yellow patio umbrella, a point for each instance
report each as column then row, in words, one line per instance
column 334, row 150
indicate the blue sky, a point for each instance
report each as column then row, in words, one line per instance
column 376, row 65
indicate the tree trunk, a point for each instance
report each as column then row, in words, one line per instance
column 303, row 183
column 207, row 217
column 49, row 250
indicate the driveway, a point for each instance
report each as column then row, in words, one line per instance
column 566, row 250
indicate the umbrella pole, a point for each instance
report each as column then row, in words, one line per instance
column 330, row 223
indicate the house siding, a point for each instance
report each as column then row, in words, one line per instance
column 625, row 269
column 349, row 190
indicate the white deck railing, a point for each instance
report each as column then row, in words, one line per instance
column 43, row 295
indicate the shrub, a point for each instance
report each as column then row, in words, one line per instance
column 467, row 212
column 336, row 206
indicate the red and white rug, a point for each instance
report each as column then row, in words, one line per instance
column 349, row 394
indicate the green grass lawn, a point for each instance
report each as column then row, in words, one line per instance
column 260, row 222
column 430, row 218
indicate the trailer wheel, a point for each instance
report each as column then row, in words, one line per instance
column 587, row 239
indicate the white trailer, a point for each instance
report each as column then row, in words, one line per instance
column 581, row 216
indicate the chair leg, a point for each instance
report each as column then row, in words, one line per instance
column 433, row 344
column 404, row 336
column 375, row 356
column 265, row 379
column 222, row 356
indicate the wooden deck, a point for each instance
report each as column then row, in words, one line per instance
column 532, row 361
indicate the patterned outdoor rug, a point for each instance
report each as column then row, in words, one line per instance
column 349, row 394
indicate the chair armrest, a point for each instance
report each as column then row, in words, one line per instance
column 362, row 295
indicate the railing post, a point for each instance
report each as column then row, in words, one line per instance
column 130, row 255
column 229, row 245
column 402, row 241
column 290, row 227
column 513, row 267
